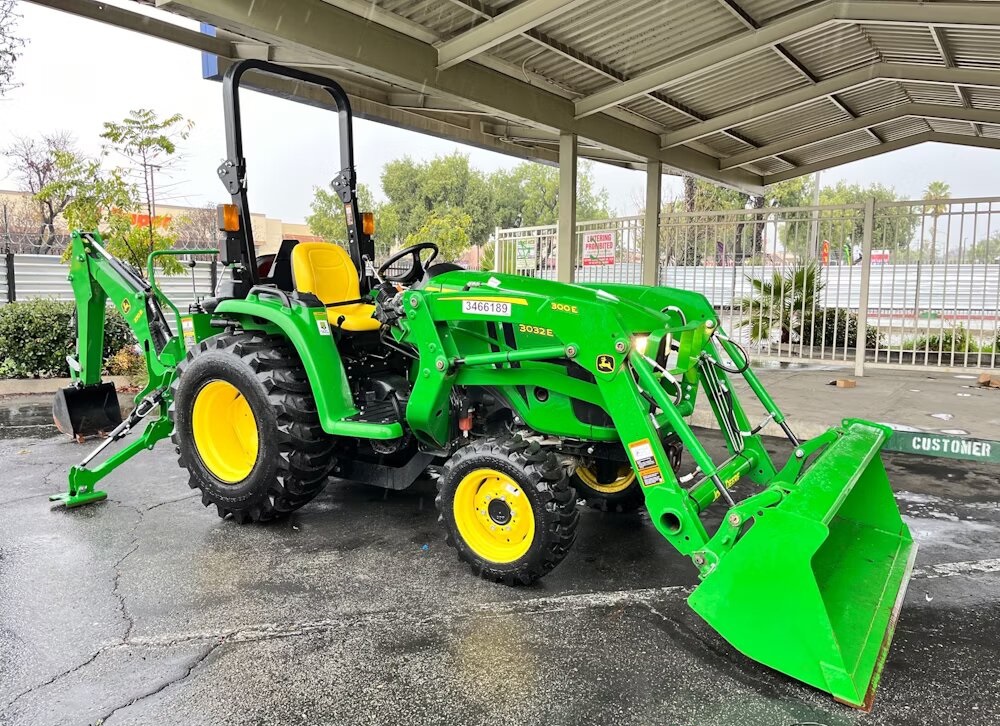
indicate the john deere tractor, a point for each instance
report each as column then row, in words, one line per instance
column 520, row 394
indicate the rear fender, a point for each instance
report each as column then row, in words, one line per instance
column 309, row 333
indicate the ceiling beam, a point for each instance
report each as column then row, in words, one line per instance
column 502, row 27
column 903, row 143
column 724, row 51
column 918, row 110
column 803, row 22
column 154, row 27
column 944, row 50
column 411, row 63
column 843, row 82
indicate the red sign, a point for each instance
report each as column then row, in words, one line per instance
column 598, row 248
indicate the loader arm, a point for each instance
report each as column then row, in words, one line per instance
column 805, row 574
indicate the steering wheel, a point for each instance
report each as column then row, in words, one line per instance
column 393, row 271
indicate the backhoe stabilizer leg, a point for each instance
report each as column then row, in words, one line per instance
column 82, row 479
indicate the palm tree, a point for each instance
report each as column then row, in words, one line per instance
column 937, row 192
column 781, row 303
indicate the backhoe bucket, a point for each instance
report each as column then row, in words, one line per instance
column 86, row 410
column 814, row 586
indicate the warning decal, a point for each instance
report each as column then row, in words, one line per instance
column 642, row 454
column 652, row 477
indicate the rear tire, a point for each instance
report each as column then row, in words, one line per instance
column 246, row 427
column 508, row 509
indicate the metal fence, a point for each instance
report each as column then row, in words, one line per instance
column 914, row 283
column 24, row 277
column 607, row 250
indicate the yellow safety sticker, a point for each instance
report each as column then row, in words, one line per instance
column 187, row 326
column 642, row 454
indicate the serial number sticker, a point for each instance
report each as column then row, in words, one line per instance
column 652, row 477
column 642, row 454
column 486, row 307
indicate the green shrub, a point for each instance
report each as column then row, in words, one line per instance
column 957, row 339
column 836, row 327
column 37, row 335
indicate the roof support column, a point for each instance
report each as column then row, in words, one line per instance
column 566, row 251
column 651, row 228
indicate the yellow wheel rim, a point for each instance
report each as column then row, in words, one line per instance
column 225, row 431
column 623, row 481
column 494, row 516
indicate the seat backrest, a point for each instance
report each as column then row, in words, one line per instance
column 325, row 270
column 281, row 268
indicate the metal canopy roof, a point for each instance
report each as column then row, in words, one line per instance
column 745, row 92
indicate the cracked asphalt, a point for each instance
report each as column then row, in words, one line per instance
column 148, row 609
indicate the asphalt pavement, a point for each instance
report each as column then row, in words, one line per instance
column 148, row 609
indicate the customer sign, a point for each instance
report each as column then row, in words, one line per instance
column 949, row 447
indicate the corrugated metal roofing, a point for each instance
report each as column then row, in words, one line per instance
column 690, row 46
column 810, row 117
column 736, row 84
column 901, row 128
column 832, row 147
column 836, row 50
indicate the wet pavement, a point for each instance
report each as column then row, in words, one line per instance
column 148, row 609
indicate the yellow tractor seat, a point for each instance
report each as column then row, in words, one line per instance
column 327, row 271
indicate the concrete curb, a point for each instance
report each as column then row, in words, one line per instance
column 27, row 386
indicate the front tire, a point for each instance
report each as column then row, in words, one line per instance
column 508, row 509
column 246, row 427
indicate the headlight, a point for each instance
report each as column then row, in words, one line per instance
column 639, row 342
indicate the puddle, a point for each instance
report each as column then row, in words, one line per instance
column 942, row 416
column 26, row 419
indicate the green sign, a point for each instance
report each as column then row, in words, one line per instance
column 943, row 445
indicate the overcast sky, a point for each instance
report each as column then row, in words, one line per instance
column 77, row 73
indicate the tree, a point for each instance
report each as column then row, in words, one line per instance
column 19, row 224
column 198, row 228
column 327, row 217
column 781, row 304
column 448, row 230
column 10, row 44
column 986, row 251
column 33, row 162
column 937, row 192
column 894, row 226
column 149, row 145
column 104, row 200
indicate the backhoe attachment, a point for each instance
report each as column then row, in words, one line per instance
column 82, row 411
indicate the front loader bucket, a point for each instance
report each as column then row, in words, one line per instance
column 86, row 410
column 814, row 587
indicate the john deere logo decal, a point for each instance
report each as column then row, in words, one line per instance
column 126, row 306
column 605, row 363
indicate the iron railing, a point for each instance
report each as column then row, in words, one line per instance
column 911, row 283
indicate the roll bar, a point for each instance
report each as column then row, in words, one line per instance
column 233, row 170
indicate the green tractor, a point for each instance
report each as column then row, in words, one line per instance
column 521, row 394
